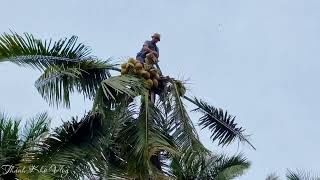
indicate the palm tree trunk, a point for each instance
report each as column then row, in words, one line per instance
column 155, row 159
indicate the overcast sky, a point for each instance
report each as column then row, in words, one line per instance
column 257, row 59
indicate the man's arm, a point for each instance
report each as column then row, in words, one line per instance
column 146, row 48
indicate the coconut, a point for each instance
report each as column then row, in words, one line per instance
column 155, row 83
column 148, row 75
column 129, row 65
column 157, row 76
column 143, row 71
column 131, row 71
column 124, row 65
column 149, row 82
column 131, row 60
column 153, row 72
column 145, row 74
column 124, row 71
column 139, row 72
column 138, row 66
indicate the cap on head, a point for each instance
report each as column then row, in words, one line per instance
column 156, row 35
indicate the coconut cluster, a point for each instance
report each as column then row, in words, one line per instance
column 146, row 71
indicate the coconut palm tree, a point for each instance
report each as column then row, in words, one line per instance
column 127, row 134
column 16, row 142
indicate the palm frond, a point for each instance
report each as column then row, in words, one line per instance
column 41, row 54
column 188, row 165
column 178, row 125
column 84, row 148
column 9, row 140
column 67, row 65
column 210, row 166
column 146, row 140
column 35, row 127
column 230, row 167
column 125, row 84
column 181, row 118
column 112, row 164
column 222, row 125
column 70, row 147
column 139, row 162
column 58, row 81
column 183, row 130
column 301, row 175
column 9, row 129
column 12, row 146
column 273, row 176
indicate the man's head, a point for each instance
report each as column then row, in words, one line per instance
column 155, row 37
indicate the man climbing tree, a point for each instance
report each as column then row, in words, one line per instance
column 149, row 54
column 150, row 49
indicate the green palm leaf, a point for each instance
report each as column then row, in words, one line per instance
column 35, row 127
column 16, row 144
column 9, row 140
column 59, row 81
column 210, row 166
column 228, row 167
column 184, row 130
column 146, row 140
column 70, row 147
column 125, row 84
column 301, row 175
column 84, row 148
column 222, row 125
column 272, row 176
column 67, row 65
column 30, row 51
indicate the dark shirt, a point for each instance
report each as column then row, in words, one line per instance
column 142, row 54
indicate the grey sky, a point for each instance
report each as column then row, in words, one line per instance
column 257, row 59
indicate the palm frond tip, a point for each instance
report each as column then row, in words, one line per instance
column 28, row 50
column 222, row 125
